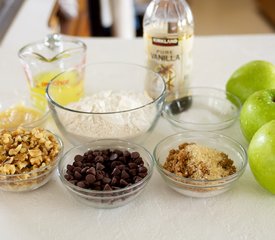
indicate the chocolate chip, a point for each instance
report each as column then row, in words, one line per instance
column 81, row 184
column 142, row 174
column 73, row 182
column 96, row 153
column 99, row 166
column 67, row 177
column 139, row 161
column 118, row 152
column 77, row 175
column 99, row 158
column 135, row 155
column 122, row 159
column 123, row 183
column 70, row 167
column 107, row 187
column 121, row 167
column 99, row 176
column 78, row 158
column 114, row 164
column 107, row 174
column 90, row 178
column 106, row 151
column 106, row 180
column 137, row 179
column 91, row 170
column 116, row 171
column 126, row 154
column 142, row 169
column 114, row 181
column 77, row 169
column 124, row 174
column 69, row 172
column 90, row 158
column 132, row 165
column 77, row 164
column 87, row 164
column 97, row 183
column 113, row 157
column 133, row 172
column 84, row 170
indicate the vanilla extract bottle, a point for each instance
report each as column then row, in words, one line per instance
column 168, row 32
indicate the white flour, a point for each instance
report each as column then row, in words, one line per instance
column 119, row 125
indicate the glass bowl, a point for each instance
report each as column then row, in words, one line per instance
column 114, row 100
column 204, row 109
column 34, row 179
column 201, row 188
column 102, row 198
column 32, row 104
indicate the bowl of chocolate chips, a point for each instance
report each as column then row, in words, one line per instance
column 106, row 173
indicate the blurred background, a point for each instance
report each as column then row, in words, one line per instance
column 123, row 18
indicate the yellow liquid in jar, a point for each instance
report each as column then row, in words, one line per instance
column 18, row 115
column 68, row 88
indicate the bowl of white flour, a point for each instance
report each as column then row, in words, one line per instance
column 114, row 100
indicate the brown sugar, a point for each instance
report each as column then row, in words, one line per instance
column 199, row 162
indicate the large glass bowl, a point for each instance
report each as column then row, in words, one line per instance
column 106, row 199
column 113, row 100
column 201, row 188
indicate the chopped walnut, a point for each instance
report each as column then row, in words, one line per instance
column 22, row 151
column 8, row 169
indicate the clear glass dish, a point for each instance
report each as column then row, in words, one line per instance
column 34, row 179
column 32, row 102
column 106, row 199
column 204, row 109
column 201, row 188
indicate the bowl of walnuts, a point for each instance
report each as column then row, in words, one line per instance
column 28, row 158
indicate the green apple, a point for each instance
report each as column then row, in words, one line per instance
column 251, row 77
column 261, row 154
column 257, row 110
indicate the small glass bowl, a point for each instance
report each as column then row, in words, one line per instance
column 201, row 188
column 34, row 102
column 204, row 109
column 80, row 121
column 33, row 179
column 106, row 199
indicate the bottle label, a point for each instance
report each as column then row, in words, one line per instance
column 168, row 42
column 171, row 58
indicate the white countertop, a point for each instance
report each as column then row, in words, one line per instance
column 245, row 212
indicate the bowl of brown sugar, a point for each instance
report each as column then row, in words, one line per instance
column 200, row 164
